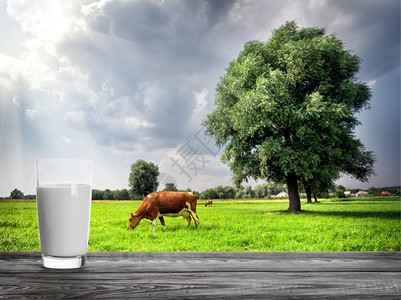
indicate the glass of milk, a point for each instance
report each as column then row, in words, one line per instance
column 63, row 199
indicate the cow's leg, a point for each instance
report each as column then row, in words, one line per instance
column 187, row 217
column 197, row 221
column 154, row 225
column 162, row 221
column 195, row 217
column 193, row 214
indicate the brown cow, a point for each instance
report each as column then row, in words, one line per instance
column 210, row 202
column 169, row 204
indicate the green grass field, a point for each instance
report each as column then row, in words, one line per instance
column 351, row 224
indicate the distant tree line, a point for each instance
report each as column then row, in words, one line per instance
column 143, row 179
column 18, row 194
column 108, row 194
column 261, row 191
column 395, row 190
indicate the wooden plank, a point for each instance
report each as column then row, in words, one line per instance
column 221, row 262
column 395, row 256
column 187, row 284
column 206, row 275
column 388, row 256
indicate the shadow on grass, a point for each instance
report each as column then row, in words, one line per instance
column 366, row 200
column 386, row 215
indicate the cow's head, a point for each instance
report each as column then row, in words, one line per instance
column 133, row 221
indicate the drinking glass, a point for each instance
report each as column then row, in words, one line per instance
column 63, row 199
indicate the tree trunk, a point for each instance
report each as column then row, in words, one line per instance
column 292, row 184
column 308, row 191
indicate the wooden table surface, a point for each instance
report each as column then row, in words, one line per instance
column 196, row 275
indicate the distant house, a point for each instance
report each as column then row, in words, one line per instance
column 361, row 193
column 282, row 195
column 386, row 193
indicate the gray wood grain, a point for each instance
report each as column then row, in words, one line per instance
column 172, row 275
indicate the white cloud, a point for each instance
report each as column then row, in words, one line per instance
column 107, row 89
column 45, row 20
column 371, row 83
column 16, row 101
column 10, row 69
column 32, row 113
column 46, row 26
column 135, row 123
column 74, row 117
column 200, row 98
column 95, row 8
column 67, row 140
column 317, row 4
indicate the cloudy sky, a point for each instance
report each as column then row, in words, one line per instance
column 118, row 81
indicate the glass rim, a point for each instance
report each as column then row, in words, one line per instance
column 51, row 165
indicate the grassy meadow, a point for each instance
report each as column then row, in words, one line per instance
column 351, row 224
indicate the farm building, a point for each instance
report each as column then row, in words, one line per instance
column 282, row 195
column 361, row 193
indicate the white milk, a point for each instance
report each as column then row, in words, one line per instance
column 64, row 215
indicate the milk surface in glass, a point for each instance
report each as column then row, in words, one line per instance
column 63, row 216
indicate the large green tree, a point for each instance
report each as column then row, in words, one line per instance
column 286, row 108
column 16, row 194
column 143, row 177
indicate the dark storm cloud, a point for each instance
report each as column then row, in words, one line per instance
column 372, row 29
column 169, row 34
column 145, row 59
column 217, row 10
column 145, row 53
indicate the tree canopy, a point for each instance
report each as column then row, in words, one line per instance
column 143, row 177
column 170, row 186
column 285, row 110
column 16, row 194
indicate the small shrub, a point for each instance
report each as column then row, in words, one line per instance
column 339, row 194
